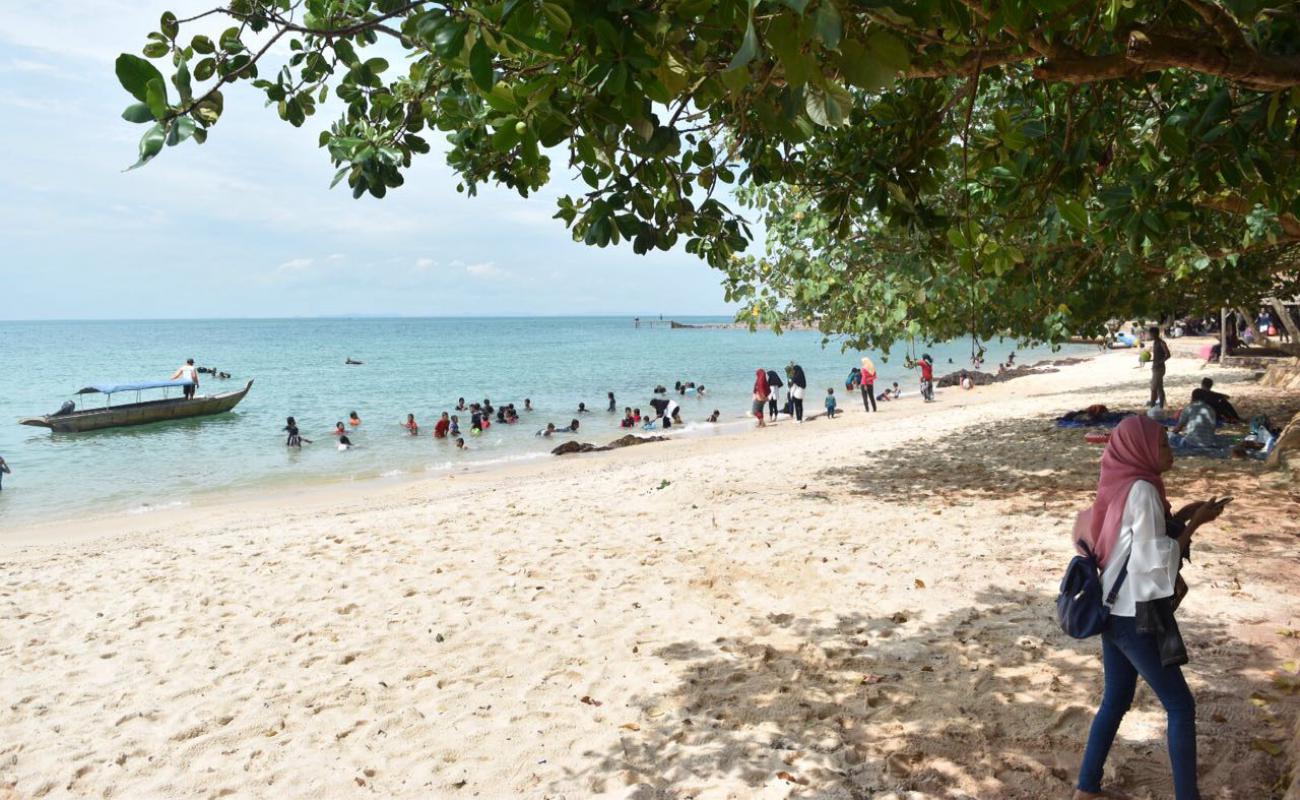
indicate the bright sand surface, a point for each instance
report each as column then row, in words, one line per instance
column 851, row 608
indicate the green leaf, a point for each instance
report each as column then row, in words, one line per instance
column 1073, row 212
column 230, row 41
column 134, row 73
column 557, row 18
column 889, row 49
column 137, row 112
column 168, row 25
column 828, row 108
column 501, row 98
column 181, row 130
column 150, row 144
column 862, row 68
column 748, row 48
column 480, row 65
column 450, row 39
column 202, row 45
column 156, row 98
column 204, row 69
column 827, row 23
column 182, row 81
column 156, row 50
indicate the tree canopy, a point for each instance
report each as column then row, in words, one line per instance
column 922, row 167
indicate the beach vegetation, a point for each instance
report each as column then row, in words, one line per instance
column 920, row 168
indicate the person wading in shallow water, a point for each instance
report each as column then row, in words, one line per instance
column 1141, row 545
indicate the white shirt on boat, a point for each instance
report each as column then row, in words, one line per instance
column 1153, row 557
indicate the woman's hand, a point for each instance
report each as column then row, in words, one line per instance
column 1185, row 513
column 1206, row 512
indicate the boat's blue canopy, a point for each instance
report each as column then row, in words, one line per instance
column 114, row 388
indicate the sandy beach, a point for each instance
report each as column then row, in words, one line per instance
column 849, row 608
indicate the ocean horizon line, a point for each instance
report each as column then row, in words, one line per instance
column 361, row 317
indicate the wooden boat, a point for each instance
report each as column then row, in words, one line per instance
column 137, row 413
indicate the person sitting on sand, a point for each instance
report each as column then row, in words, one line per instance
column 550, row 430
column 4, row 470
column 714, row 416
column 830, row 403
column 410, row 425
column 339, row 430
column 354, row 420
column 1196, row 431
column 1217, row 401
column 1133, row 534
column 443, row 427
column 345, row 443
column 628, row 419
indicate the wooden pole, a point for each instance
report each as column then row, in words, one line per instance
column 1223, row 334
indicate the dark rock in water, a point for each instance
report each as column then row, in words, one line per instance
column 627, row 440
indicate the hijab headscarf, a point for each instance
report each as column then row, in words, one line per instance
column 798, row 378
column 868, row 371
column 1133, row 454
column 760, row 383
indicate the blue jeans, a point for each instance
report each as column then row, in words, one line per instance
column 1125, row 654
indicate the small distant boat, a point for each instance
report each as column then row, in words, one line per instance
column 73, row 420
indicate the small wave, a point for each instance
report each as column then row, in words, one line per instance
column 149, row 508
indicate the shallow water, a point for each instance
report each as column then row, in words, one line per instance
column 419, row 366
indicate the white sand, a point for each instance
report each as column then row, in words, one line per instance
column 855, row 608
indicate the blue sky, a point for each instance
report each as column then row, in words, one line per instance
column 246, row 225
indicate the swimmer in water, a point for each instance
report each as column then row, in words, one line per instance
column 582, row 408
column 441, row 429
column 295, row 439
column 612, row 406
column 339, row 430
column 550, row 429
column 410, row 425
column 713, row 417
column 628, row 419
column 528, row 404
column 345, row 443
column 460, row 404
column 353, row 419
column 460, row 444
column 454, row 430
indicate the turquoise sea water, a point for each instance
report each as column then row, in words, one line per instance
column 418, row 366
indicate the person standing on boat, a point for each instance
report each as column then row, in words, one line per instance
column 187, row 372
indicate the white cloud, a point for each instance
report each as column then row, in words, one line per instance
column 336, row 256
column 295, row 265
column 425, row 264
column 485, row 269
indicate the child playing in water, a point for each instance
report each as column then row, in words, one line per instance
column 628, row 419
column 460, row 444
column 354, row 420
column 830, row 403
column 345, row 443
column 713, row 417
column 410, row 425
column 294, row 440
column 441, row 429
column 339, row 430
column 454, row 429
column 4, row 470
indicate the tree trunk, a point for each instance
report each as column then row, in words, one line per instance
column 1223, row 334
column 1250, row 321
column 1284, row 319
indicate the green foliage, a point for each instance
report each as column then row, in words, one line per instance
column 921, row 168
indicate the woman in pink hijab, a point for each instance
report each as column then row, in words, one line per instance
column 1140, row 545
column 760, row 395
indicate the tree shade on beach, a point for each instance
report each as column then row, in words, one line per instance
column 922, row 168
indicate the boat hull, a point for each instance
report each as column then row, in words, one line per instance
column 139, row 413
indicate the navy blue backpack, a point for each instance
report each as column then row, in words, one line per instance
column 1079, row 608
